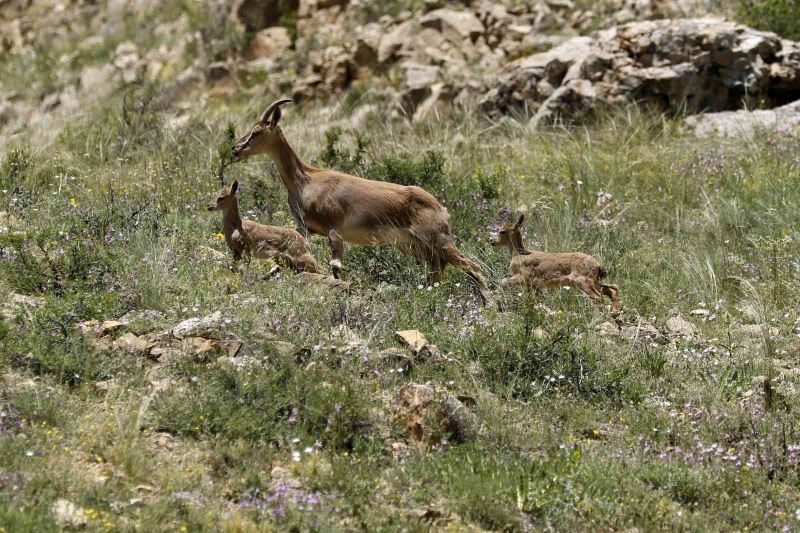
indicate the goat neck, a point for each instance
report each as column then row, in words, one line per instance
column 290, row 167
column 515, row 245
column 231, row 220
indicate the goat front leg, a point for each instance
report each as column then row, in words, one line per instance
column 337, row 252
column 297, row 215
column 516, row 279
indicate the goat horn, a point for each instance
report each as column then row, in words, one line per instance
column 272, row 107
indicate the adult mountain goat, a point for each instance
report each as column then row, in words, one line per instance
column 347, row 208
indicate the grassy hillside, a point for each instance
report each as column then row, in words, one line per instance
column 579, row 425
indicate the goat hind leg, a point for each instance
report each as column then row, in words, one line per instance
column 435, row 275
column 337, row 252
column 611, row 291
column 592, row 289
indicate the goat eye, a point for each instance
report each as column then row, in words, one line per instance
column 219, row 199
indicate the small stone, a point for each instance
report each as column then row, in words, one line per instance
column 681, row 326
column 132, row 344
column 412, row 339
column 428, row 416
column 284, row 348
column 608, row 329
column 68, row 514
column 198, row 327
column 210, row 254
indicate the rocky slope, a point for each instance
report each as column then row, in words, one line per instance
column 548, row 59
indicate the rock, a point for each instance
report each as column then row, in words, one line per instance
column 439, row 97
column 97, row 82
column 411, row 339
column 6, row 219
column 68, row 514
column 392, row 42
column 270, row 42
column 642, row 330
column 419, row 76
column 108, row 327
column 567, row 101
column 757, row 330
column 692, row 64
column 199, row 327
column 208, row 253
column 100, row 329
column 368, row 41
column 608, row 329
column 680, row 326
column 198, row 346
column 284, row 348
column 746, row 123
column 310, row 277
column 390, row 360
column 431, row 417
column 454, row 25
column 132, row 344
column 16, row 303
column 107, row 384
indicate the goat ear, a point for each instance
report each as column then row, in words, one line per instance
column 234, row 187
column 519, row 222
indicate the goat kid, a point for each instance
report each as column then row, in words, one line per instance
column 283, row 245
column 347, row 208
column 546, row 270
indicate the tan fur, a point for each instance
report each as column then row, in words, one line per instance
column 244, row 237
column 541, row 270
column 352, row 209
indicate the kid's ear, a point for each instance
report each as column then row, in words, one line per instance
column 234, row 187
column 519, row 222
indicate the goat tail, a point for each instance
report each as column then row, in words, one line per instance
column 453, row 256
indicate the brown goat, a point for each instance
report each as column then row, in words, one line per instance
column 545, row 270
column 283, row 245
column 347, row 208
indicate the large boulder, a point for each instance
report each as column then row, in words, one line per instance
column 270, row 42
column 691, row 64
column 456, row 26
column 399, row 36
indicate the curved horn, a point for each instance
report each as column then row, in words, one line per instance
column 272, row 107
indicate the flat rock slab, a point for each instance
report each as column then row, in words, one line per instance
column 744, row 123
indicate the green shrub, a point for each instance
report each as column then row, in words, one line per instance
column 50, row 344
column 406, row 169
column 264, row 403
column 341, row 159
column 779, row 16
column 13, row 168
